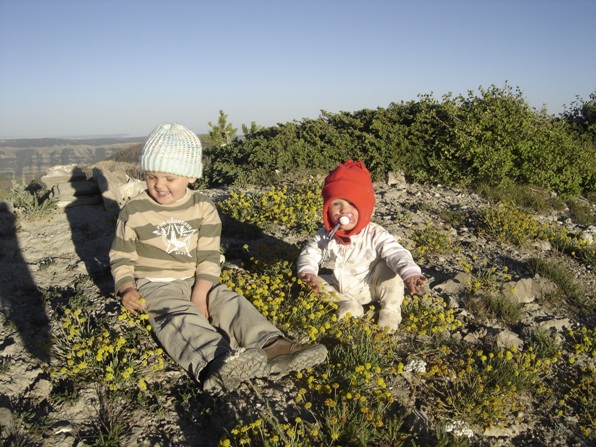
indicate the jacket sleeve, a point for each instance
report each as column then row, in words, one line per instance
column 123, row 252
column 208, row 245
column 398, row 258
column 312, row 253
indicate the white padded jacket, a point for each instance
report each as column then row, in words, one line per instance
column 351, row 264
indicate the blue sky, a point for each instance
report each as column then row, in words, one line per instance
column 74, row 68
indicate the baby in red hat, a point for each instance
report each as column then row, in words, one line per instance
column 367, row 263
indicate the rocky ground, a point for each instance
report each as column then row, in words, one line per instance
column 67, row 249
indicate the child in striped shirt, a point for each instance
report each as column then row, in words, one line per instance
column 167, row 250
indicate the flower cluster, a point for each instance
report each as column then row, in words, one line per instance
column 119, row 356
column 296, row 206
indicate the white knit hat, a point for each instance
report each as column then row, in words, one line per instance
column 172, row 149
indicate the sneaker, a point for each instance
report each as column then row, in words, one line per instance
column 227, row 372
column 285, row 356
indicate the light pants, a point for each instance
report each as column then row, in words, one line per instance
column 185, row 333
column 381, row 286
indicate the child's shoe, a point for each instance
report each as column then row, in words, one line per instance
column 226, row 372
column 285, row 356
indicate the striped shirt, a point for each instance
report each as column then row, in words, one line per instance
column 167, row 242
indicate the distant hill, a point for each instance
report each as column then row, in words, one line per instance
column 32, row 156
column 50, row 142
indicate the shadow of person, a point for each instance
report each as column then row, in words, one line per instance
column 92, row 227
column 236, row 235
column 21, row 301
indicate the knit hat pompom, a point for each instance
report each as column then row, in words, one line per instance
column 350, row 181
column 172, row 149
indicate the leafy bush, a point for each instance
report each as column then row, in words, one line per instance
column 486, row 138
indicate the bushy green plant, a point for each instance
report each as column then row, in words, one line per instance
column 581, row 115
column 482, row 138
column 25, row 198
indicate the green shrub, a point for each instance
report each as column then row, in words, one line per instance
column 482, row 138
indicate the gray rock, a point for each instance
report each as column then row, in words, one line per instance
column 75, row 188
column 61, row 174
column 7, row 422
column 507, row 339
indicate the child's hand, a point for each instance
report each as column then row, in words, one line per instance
column 201, row 303
column 415, row 284
column 131, row 300
column 312, row 280
column 200, row 296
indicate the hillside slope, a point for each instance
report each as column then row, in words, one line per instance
column 58, row 261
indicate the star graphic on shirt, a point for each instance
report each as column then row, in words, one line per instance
column 176, row 236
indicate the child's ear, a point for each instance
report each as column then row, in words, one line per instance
column 191, row 180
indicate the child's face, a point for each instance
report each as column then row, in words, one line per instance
column 339, row 208
column 166, row 189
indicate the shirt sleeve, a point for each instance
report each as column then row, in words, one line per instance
column 208, row 245
column 398, row 258
column 123, row 253
column 312, row 253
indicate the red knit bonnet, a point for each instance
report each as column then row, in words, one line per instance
column 350, row 181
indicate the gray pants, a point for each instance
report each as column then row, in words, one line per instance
column 381, row 286
column 188, row 337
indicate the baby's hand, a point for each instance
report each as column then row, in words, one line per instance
column 415, row 284
column 312, row 280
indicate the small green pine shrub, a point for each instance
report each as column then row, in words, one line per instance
column 494, row 306
column 485, row 294
column 544, row 343
column 456, row 217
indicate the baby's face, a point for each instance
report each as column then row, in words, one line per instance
column 339, row 208
column 166, row 189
